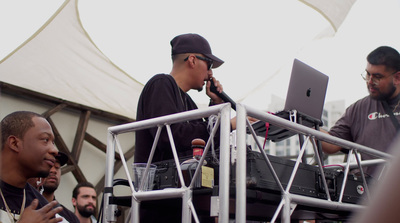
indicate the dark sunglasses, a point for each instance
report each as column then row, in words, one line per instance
column 209, row 61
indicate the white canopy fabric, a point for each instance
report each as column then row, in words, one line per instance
column 60, row 60
column 335, row 11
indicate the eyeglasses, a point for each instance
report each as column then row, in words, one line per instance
column 209, row 61
column 376, row 78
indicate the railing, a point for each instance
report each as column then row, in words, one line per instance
column 289, row 201
column 188, row 210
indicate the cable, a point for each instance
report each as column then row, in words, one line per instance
column 210, row 126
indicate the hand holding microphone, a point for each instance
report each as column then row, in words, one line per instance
column 222, row 95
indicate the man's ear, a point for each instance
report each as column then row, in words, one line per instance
column 192, row 61
column 396, row 78
column 14, row 143
column 73, row 202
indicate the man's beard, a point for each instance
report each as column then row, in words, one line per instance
column 49, row 189
column 84, row 211
column 385, row 96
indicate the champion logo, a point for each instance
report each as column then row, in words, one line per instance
column 372, row 116
column 360, row 189
column 377, row 115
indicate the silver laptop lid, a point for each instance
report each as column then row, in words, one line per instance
column 307, row 90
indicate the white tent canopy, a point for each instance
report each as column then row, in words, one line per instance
column 60, row 60
column 334, row 11
column 257, row 40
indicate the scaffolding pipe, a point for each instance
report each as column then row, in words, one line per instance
column 287, row 197
column 241, row 161
column 320, row 203
column 272, row 119
column 168, row 119
column 183, row 192
column 108, row 210
column 224, row 165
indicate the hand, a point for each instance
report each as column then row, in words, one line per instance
column 213, row 96
column 252, row 120
column 44, row 215
column 233, row 121
column 328, row 147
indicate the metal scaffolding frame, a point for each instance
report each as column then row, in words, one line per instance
column 188, row 210
column 289, row 200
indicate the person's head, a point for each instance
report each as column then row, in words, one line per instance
column 27, row 141
column 84, row 199
column 52, row 181
column 383, row 73
column 193, row 52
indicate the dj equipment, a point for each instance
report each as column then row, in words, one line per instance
column 167, row 176
column 307, row 181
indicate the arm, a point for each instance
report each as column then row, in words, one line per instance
column 163, row 97
column 342, row 129
column 328, row 147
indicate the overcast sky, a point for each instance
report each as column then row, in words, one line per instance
column 257, row 39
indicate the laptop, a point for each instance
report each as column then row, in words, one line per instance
column 306, row 95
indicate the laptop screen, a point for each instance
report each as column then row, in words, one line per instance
column 306, row 95
column 307, row 90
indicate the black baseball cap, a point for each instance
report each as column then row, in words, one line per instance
column 62, row 158
column 194, row 43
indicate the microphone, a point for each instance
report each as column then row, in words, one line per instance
column 222, row 95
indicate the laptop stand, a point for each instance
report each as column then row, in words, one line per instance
column 276, row 133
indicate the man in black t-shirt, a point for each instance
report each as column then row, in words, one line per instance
column 50, row 184
column 27, row 151
column 166, row 94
